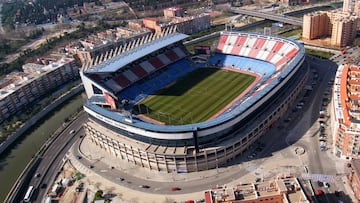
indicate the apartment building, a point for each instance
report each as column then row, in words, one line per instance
column 354, row 178
column 345, row 112
column 351, row 6
column 184, row 24
column 339, row 26
column 284, row 190
column 27, row 87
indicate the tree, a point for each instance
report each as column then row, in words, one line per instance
column 99, row 195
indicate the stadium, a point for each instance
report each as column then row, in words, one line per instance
column 151, row 104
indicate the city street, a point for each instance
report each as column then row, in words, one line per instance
column 280, row 156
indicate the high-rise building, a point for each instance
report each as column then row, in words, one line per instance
column 339, row 26
column 351, row 6
column 315, row 25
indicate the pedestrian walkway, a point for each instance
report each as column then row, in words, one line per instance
column 245, row 172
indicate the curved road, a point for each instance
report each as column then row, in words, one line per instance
column 52, row 158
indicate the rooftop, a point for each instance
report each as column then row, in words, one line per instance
column 28, row 78
column 289, row 190
column 347, row 96
column 136, row 53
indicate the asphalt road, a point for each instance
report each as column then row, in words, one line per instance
column 52, row 159
column 318, row 161
column 321, row 162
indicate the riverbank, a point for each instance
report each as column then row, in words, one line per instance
column 32, row 121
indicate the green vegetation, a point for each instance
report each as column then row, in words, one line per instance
column 99, row 195
column 8, row 46
column 43, row 11
column 196, row 97
column 50, row 44
column 297, row 33
column 321, row 54
column 8, row 12
column 13, row 123
column 79, row 176
column 208, row 31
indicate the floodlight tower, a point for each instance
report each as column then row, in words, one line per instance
column 210, row 5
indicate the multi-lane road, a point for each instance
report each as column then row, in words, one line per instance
column 270, row 16
column 316, row 161
column 52, row 159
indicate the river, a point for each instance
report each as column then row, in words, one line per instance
column 13, row 162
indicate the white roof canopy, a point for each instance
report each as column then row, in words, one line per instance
column 134, row 54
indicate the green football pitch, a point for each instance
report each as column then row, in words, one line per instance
column 195, row 97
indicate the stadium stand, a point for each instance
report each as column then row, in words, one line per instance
column 129, row 74
column 122, row 80
column 139, row 71
column 172, row 55
column 281, row 76
column 146, row 65
column 273, row 50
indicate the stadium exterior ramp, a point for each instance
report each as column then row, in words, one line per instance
column 198, row 146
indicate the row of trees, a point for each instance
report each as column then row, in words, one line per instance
column 50, row 44
column 42, row 11
column 13, row 123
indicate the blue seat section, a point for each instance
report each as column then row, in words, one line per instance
column 163, row 77
column 243, row 63
column 157, row 80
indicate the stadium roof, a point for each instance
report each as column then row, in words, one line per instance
column 132, row 55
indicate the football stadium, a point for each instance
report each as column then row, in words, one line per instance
column 155, row 105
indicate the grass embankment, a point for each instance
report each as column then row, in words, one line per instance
column 195, row 97
column 320, row 54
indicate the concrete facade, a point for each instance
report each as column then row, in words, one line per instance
column 16, row 96
column 345, row 110
column 284, row 190
column 186, row 25
column 354, row 178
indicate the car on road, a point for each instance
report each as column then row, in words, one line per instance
column 337, row 193
column 120, row 179
column 91, row 166
column 144, row 186
column 175, row 189
column 319, row 192
column 72, row 131
column 37, row 175
column 326, row 185
column 44, row 185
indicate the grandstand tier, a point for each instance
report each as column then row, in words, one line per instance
column 277, row 62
